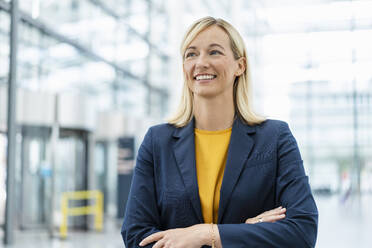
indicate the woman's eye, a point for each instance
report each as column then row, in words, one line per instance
column 213, row 52
column 190, row 55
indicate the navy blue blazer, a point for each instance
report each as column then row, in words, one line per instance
column 264, row 170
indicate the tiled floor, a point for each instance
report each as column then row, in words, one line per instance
column 109, row 238
column 341, row 225
column 345, row 225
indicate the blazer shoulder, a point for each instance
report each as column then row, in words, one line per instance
column 162, row 130
column 272, row 124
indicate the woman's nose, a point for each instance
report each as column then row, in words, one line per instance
column 202, row 61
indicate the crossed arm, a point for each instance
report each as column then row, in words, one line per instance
column 203, row 234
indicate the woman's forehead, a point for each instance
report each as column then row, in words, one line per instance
column 213, row 35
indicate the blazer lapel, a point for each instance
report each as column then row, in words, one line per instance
column 184, row 151
column 240, row 146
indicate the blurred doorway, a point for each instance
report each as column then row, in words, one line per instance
column 35, row 177
column 71, row 171
column 101, row 170
column 105, row 172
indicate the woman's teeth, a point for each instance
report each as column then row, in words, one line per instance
column 205, row 77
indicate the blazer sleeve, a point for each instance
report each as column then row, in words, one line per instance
column 141, row 217
column 299, row 228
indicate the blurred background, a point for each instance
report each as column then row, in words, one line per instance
column 90, row 76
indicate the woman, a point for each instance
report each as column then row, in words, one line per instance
column 217, row 174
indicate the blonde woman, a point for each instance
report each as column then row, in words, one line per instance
column 218, row 174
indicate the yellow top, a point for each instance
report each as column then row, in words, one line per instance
column 211, row 154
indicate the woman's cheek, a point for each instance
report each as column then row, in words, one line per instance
column 187, row 72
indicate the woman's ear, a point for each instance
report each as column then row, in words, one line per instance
column 241, row 66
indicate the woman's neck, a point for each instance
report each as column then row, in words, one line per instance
column 213, row 113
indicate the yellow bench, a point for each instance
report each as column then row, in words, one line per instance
column 96, row 209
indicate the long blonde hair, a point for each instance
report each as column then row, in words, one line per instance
column 242, row 85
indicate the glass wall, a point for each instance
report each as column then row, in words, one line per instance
column 76, row 60
column 314, row 58
column 4, row 47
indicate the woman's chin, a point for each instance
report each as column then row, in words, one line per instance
column 212, row 92
column 206, row 93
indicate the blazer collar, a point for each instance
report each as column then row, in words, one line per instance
column 241, row 144
column 184, row 152
column 239, row 148
column 185, row 131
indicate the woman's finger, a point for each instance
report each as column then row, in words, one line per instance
column 152, row 238
column 276, row 211
column 250, row 221
column 268, row 216
column 271, row 218
column 159, row 244
column 268, row 212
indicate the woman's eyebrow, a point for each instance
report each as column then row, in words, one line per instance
column 211, row 45
column 218, row 45
column 190, row 47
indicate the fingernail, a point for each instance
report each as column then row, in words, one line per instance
column 141, row 244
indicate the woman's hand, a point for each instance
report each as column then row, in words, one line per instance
column 193, row 236
column 199, row 235
column 268, row 216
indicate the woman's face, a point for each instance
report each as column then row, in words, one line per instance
column 209, row 64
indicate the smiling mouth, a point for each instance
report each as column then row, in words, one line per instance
column 204, row 77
